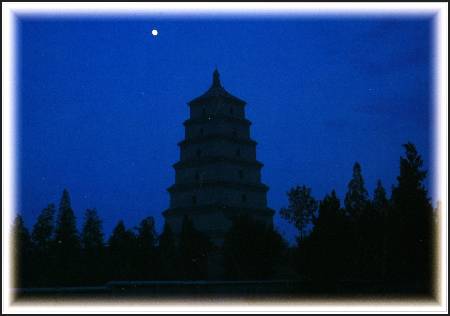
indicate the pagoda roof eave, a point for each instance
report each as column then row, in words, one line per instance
column 189, row 186
column 207, row 96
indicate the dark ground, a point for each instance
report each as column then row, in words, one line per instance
column 278, row 290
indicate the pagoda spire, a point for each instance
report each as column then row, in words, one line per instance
column 216, row 79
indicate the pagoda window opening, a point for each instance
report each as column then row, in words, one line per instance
column 194, row 200
column 231, row 111
column 201, row 132
column 234, row 133
column 199, row 152
column 203, row 112
column 241, row 174
column 238, row 152
column 244, row 198
column 197, row 176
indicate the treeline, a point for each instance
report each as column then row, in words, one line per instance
column 387, row 238
column 56, row 254
column 384, row 238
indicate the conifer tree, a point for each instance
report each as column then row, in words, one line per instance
column 329, row 240
column 411, row 219
column 122, row 253
column 146, row 249
column 67, row 243
column 356, row 199
column 357, row 208
column 44, row 254
column 92, row 232
column 92, row 247
column 168, row 254
column 43, row 229
column 380, row 200
column 21, row 250
column 380, row 227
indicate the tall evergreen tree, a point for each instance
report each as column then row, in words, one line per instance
column 92, row 232
column 92, row 248
column 301, row 209
column 356, row 199
column 67, row 243
column 43, row 229
column 371, row 232
column 146, row 249
column 380, row 205
column 329, row 241
column 380, row 200
column 44, row 256
column 21, row 252
column 122, row 253
column 357, row 208
column 411, row 219
column 168, row 254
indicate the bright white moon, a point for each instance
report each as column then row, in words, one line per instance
column 154, row 32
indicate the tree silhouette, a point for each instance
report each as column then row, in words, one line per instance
column 380, row 205
column 21, row 252
column 122, row 253
column 380, row 200
column 92, row 247
column 146, row 249
column 370, row 232
column 357, row 207
column 168, row 254
column 329, row 241
column 384, row 238
column 42, row 237
column 251, row 250
column 411, row 223
column 194, row 249
column 301, row 208
column 356, row 199
column 43, row 229
column 67, row 243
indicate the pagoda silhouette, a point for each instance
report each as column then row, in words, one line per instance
column 217, row 176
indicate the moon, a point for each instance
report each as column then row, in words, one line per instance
column 154, row 32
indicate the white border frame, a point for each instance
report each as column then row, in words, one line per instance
column 9, row 10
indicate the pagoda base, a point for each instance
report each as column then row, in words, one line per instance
column 214, row 220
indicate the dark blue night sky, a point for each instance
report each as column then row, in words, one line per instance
column 101, row 103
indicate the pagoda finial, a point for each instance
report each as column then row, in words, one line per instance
column 216, row 78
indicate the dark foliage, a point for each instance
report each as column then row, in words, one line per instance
column 122, row 253
column 356, row 199
column 146, row 259
column 168, row 255
column 66, row 244
column 377, row 240
column 194, row 248
column 410, row 219
column 382, row 239
column 252, row 250
column 301, row 209
column 93, row 248
column 21, row 252
column 329, row 239
column 44, row 260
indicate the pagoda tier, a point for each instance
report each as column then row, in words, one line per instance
column 217, row 176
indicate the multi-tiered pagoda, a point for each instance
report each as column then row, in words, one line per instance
column 218, row 175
